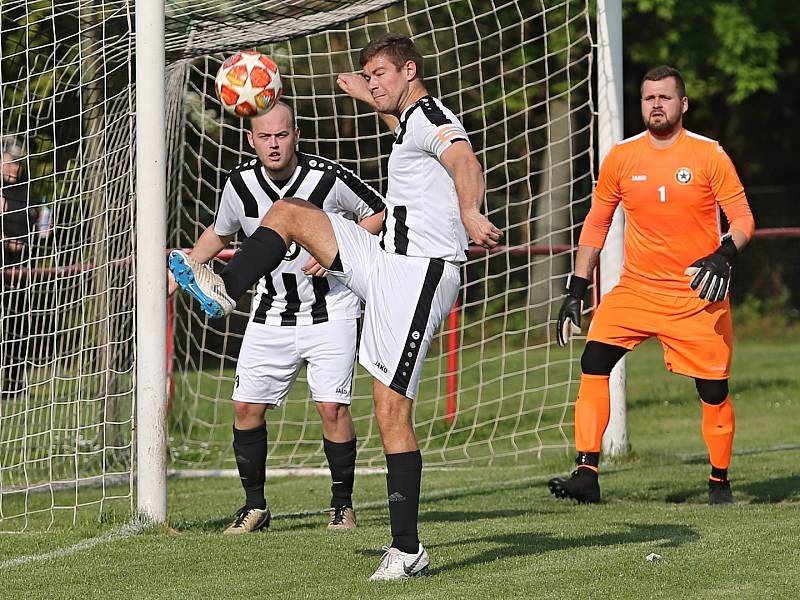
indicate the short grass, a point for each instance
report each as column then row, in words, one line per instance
column 492, row 532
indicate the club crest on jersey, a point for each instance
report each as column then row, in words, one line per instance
column 683, row 175
column 292, row 252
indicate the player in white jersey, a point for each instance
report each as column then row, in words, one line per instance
column 298, row 314
column 409, row 278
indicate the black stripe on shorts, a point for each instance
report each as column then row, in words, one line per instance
column 416, row 333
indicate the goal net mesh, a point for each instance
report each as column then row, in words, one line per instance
column 494, row 388
column 517, row 73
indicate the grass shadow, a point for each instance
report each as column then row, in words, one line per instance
column 525, row 544
column 532, row 543
column 771, row 491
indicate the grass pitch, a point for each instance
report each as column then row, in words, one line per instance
column 492, row 532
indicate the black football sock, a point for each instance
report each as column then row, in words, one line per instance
column 590, row 460
column 403, row 478
column 259, row 255
column 342, row 463
column 250, row 449
column 719, row 474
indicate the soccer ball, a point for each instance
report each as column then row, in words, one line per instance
column 248, row 84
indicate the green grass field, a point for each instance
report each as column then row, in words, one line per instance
column 492, row 532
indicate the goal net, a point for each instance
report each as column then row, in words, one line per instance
column 495, row 387
column 517, row 73
column 66, row 253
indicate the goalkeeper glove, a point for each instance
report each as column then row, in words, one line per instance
column 569, row 317
column 713, row 272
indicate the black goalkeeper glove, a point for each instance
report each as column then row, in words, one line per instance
column 569, row 317
column 713, row 272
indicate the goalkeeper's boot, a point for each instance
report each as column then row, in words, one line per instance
column 202, row 283
column 719, row 492
column 401, row 565
column 248, row 520
column 582, row 486
column 342, row 517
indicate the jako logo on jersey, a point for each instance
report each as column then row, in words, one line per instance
column 683, row 175
column 343, row 391
column 639, row 178
column 292, row 253
column 381, row 367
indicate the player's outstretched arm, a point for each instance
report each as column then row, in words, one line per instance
column 470, row 187
column 208, row 245
column 355, row 86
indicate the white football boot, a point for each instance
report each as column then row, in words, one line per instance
column 401, row 565
column 202, row 283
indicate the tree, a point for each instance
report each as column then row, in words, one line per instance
column 740, row 62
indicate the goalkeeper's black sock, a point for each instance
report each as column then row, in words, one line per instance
column 259, row 255
column 403, row 478
column 718, row 474
column 342, row 463
column 250, row 449
column 589, row 460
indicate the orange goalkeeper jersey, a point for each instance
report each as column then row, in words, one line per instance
column 671, row 199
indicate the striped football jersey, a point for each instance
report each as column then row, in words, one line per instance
column 290, row 297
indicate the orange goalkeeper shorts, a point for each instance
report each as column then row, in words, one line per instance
column 697, row 336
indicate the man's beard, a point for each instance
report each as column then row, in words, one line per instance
column 665, row 126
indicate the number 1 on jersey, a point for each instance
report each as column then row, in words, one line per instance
column 662, row 193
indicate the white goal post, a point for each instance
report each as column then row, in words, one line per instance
column 122, row 386
column 151, row 228
column 609, row 131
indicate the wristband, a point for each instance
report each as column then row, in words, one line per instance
column 576, row 286
column 727, row 248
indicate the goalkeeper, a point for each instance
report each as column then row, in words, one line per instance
column 674, row 284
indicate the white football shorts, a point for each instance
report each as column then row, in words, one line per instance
column 407, row 298
column 271, row 357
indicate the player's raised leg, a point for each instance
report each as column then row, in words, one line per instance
column 289, row 220
column 592, row 409
column 250, row 449
column 406, row 557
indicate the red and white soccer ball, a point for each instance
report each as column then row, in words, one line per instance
column 248, row 84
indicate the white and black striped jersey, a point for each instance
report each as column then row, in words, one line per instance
column 289, row 296
column 422, row 211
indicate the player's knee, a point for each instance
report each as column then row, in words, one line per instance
column 283, row 210
column 248, row 415
column 712, row 391
column 392, row 415
column 599, row 358
column 332, row 412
